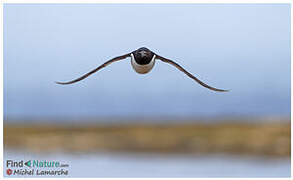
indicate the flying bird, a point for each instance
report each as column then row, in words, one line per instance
column 142, row 61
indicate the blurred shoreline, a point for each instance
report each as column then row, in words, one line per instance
column 270, row 138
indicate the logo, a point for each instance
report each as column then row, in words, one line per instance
column 36, row 168
column 28, row 163
column 9, row 171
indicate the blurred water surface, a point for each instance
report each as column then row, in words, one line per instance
column 158, row 165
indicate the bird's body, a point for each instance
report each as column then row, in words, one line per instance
column 142, row 61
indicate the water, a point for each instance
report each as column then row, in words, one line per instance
column 158, row 165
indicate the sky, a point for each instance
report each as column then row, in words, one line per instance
column 241, row 47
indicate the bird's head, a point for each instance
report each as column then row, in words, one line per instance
column 143, row 56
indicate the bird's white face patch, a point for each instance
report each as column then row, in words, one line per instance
column 142, row 69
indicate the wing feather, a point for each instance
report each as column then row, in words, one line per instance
column 188, row 74
column 95, row 70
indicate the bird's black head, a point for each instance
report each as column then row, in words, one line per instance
column 143, row 56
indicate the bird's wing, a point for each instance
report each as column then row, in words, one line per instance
column 98, row 68
column 187, row 73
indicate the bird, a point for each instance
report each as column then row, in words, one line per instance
column 143, row 61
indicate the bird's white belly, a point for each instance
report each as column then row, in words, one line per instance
column 142, row 69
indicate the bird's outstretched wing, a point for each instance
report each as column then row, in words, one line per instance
column 188, row 74
column 98, row 68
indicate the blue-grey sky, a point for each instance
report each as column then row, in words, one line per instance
column 243, row 47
